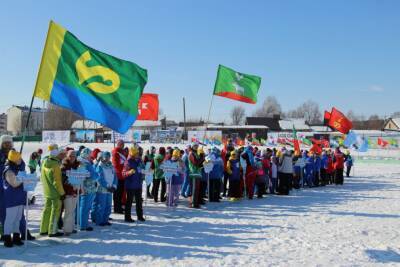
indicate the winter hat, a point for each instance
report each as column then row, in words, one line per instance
column 133, row 151
column 85, row 153
column 6, row 138
column 14, row 156
column 176, row 153
column 106, row 155
column 53, row 150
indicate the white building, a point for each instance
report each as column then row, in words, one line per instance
column 17, row 117
column 3, row 123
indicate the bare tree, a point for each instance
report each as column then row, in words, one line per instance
column 309, row 111
column 396, row 114
column 237, row 114
column 351, row 115
column 57, row 118
column 269, row 108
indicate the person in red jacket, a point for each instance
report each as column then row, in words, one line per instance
column 330, row 169
column 339, row 166
column 118, row 161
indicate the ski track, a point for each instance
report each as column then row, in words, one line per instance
column 352, row 225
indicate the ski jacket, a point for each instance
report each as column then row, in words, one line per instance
column 286, row 164
column 118, row 161
column 51, row 178
column 107, row 177
column 158, row 172
column 133, row 180
column 338, row 160
column 233, row 169
column 66, row 166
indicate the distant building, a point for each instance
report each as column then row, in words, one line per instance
column 275, row 124
column 392, row 124
column 17, row 117
column 377, row 125
column 3, row 123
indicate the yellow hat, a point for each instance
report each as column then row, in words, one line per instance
column 133, row 151
column 14, row 156
column 200, row 150
column 176, row 153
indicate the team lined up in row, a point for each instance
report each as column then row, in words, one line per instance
column 235, row 173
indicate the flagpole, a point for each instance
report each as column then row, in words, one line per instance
column 33, row 95
column 209, row 113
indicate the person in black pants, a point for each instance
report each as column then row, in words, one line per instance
column 132, row 173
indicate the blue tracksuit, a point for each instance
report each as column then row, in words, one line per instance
column 86, row 199
column 185, row 191
column 102, row 204
column 309, row 171
column 317, row 169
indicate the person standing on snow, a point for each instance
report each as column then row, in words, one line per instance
column 339, row 166
column 6, row 144
column 107, row 185
column 195, row 165
column 69, row 163
column 216, row 175
column 14, row 199
column 118, row 161
column 89, row 190
column 53, row 192
column 349, row 164
column 234, row 171
column 132, row 173
column 285, row 170
column 159, row 178
column 186, row 180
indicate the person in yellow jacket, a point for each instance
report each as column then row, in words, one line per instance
column 53, row 191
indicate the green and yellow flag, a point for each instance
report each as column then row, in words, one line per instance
column 93, row 84
column 236, row 85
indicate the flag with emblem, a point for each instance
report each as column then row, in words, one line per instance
column 91, row 83
column 237, row 86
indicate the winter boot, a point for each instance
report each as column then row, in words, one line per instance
column 17, row 239
column 30, row 237
column 8, row 241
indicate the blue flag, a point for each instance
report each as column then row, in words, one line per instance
column 350, row 140
column 364, row 146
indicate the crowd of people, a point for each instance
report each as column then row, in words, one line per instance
column 115, row 179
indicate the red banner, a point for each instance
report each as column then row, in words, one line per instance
column 337, row 121
column 148, row 107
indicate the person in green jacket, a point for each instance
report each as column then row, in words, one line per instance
column 159, row 177
column 33, row 162
column 195, row 164
column 53, row 192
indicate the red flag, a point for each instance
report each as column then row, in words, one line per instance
column 327, row 117
column 148, row 107
column 339, row 122
column 382, row 142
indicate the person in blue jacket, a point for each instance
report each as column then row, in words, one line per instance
column 324, row 167
column 216, row 175
column 317, row 169
column 89, row 190
column 309, row 169
column 349, row 163
column 132, row 172
column 107, row 184
column 14, row 199
column 6, row 144
column 185, row 191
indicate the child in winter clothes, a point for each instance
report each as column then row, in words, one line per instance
column 14, row 199
column 215, row 175
column 261, row 179
column 107, row 185
column 317, row 169
column 69, row 163
column 33, row 162
column 250, row 174
column 174, row 184
column 273, row 178
column 89, row 190
column 233, row 169
column 309, row 170
column 133, row 184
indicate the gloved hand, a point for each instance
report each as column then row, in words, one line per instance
column 132, row 171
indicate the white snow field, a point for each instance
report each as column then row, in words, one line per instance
column 357, row 224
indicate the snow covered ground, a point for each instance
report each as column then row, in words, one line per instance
column 352, row 225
